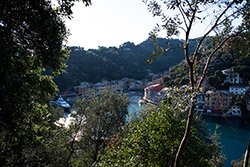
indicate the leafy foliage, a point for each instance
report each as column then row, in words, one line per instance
column 96, row 121
column 32, row 35
column 153, row 140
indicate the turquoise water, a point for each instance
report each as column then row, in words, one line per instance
column 234, row 135
column 134, row 108
column 233, row 138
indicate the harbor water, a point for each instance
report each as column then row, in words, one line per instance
column 234, row 136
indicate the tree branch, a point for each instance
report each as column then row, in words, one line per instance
column 187, row 133
column 183, row 16
column 246, row 157
column 186, row 48
column 189, row 123
column 211, row 29
column 190, row 6
column 209, row 60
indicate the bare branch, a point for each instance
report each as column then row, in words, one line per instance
column 190, row 6
column 183, row 15
column 211, row 29
column 209, row 60
column 186, row 48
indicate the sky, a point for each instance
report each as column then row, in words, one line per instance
column 113, row 22
column 109, row 23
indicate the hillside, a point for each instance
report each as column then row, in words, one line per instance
column 231, row 58
column 128, row 60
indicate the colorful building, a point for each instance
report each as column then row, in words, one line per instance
column 218, row 101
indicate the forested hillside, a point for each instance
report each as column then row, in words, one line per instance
column 231, row 57
column 129, row 60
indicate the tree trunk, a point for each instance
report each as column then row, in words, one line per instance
column 98, row 144
column 184, row 142
column 246, row 157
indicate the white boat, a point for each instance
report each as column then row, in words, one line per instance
column 61, row 102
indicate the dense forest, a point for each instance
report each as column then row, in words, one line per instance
column 138, row 61
column 129, row 60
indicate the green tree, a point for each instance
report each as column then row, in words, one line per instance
column 239, row 43
column 32, row 35
column 182, row 16
column 153, row 139
column 97, row 120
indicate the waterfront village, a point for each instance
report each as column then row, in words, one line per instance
column 209, row 101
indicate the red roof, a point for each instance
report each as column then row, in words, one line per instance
column 156, row 87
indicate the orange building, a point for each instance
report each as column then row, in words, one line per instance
column 218, row 101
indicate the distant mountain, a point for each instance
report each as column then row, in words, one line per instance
column 129, row 60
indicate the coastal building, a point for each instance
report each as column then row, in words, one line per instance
column 119, row 85
column 86, row 84
column 136, row 85
column 238, row 89
column 218, row 101
column 200, row 103
column 80, row 90
column 154, row 93
column 232, row 76
column 100, row 86
column 233, row 111
column 86, row 89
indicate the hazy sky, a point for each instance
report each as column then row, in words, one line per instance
column 110, row 23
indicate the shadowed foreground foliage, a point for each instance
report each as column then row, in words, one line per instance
column 32, row 34
column 153, row 139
